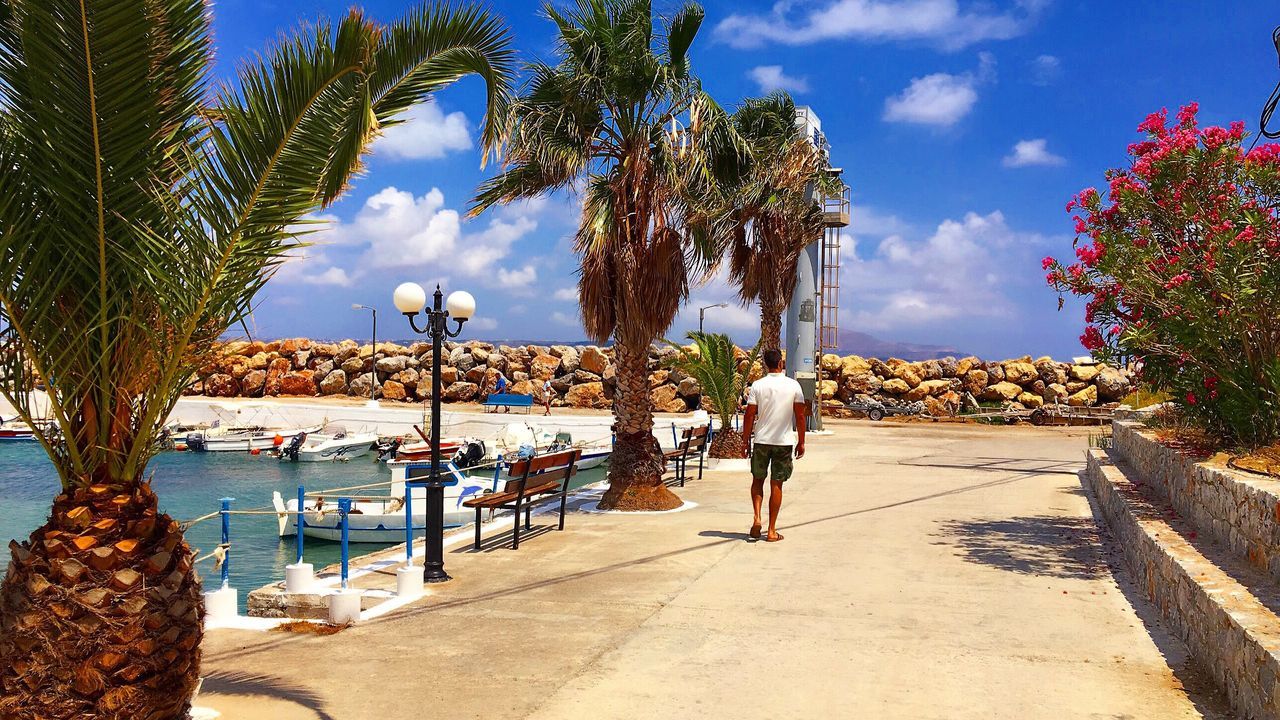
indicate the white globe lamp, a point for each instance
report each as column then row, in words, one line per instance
column 410, row 298
column 461, row 305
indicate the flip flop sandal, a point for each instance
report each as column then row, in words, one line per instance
column 755, row 532
column 776, row 537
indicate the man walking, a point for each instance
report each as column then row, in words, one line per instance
column 776, row 415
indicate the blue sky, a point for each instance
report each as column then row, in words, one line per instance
column 963, row 128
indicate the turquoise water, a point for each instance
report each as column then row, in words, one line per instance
column 190, row 485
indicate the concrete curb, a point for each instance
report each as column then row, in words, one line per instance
column 1227, row 628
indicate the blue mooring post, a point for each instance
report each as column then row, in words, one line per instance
column 344, row 507
column 299, row 523
column 497, row 470
column 226, row 541
column 408, row 523
column 675, row 441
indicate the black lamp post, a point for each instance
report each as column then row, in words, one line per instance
column 702, row 311
column 373, row 371
column 411, row 299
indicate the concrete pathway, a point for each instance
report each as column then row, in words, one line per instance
column 929, row 571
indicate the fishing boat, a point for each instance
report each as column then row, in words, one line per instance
column 16, row 431
column 523, row 440
column 375, row 519
column 241, row 438
column 332, row 443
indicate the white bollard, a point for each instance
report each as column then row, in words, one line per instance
column 344, row 607
column 220, row 604
column 299, row 577
column 409, row 582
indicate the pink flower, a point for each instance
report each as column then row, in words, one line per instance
column 1046, row 263
column 1155, row 123
column 1092, row 339
column 1246, row 234
column 1191, row 398
column 1187, row 114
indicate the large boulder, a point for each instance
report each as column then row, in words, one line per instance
column 448, row 375
column 1030, row 400
column 862, row 383
column 301, row 382
column 301, row 359
column 1084, row 398
column 1055, row 392
column 323, row 368
column 1112, row 384
column 480, row 355
column 460, row 392
column 964, row 365
column 831, row 363
column 276, row 371
column 568, row 355
column 592, row 359
column 521, row 387
column 410, row 378
column 995, row 372
column 667, row 399
column 253, row 382
column 587, row 395
column 360, row 385
column 392, row 390
column 335, row 383
column 827, row 389
column 392, row 365
column 854, row 365
column 895, row 386
column 949, row 367
column 1084, row 373
column 497, row 361
column 544, row 366
column 476, row 374
column 221, row 385
column 1002, row 390
column 353, row 366
column 909, row 373
column 1051, row 372
column 881, row 368
column 1020, row 372
column 975, row 381
column 582, row 376
column 258, row 361
column 689, row 388
column 464, row 361
column 659, row 377
column 931, row 370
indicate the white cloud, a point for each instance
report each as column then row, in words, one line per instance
column 482, row 324
column 1045, row 69
column 565, row 319
column 975, row 268
column 942, row 22
column 400, row 231
column 306, row 268
column 566, row 294
column 518, row 279
column 771, row 77
column 427, row 134
column 1032, row 152
column 940, row 99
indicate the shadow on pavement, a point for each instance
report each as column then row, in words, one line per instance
column 1052, row 546
column 243, row 683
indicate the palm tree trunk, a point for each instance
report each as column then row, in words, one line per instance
column 101, row 612
column 636, row 466
column 771, row 324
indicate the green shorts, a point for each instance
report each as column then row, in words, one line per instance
column 781, row 457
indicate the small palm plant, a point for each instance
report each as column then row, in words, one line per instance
column 140, row 211
column 713, row 361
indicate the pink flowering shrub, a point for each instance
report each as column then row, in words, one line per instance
column 1180, row 263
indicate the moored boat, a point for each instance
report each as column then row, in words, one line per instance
column 331, row 444
column 16, row 431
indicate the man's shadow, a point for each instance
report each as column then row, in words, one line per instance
column 725, row 535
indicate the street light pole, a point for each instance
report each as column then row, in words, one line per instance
column 373, row 371
column 410, row 299
column 702, row 311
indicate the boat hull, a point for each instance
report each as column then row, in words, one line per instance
column 333, row 452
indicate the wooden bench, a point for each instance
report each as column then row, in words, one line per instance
column 693, row 442
column 508, row 400
column 532, row 481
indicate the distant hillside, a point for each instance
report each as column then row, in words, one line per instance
column 857, row 343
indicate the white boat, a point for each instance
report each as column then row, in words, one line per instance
column 241, row 438
column 16, row 431
column 519, row 440
column 332, row 443
column 380, row 520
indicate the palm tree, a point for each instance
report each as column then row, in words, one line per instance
column 140, row 211
column 622, row 119
column 770, row 207
column 713, row 362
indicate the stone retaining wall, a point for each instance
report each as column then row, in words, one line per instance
column 1229, row 631
column 583, row 376
column 1239, row 511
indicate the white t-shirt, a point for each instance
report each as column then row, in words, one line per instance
column 775, row 396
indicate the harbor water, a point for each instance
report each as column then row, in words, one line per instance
column 190, row 485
